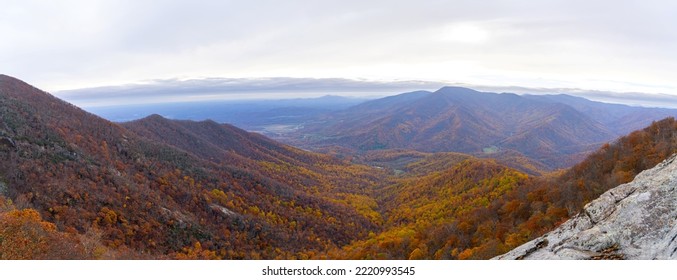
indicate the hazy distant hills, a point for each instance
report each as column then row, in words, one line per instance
column 250, row 114
column 554, row 130
column 528, row 132
column 73, row 185
column 620, row 119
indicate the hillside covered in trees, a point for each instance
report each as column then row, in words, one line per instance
column 75, row 186
column 545, row 132
column 86, row 178
column 477, row 209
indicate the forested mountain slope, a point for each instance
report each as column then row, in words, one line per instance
column 637, row 220
column 138, row 197
column 553, row 131
column 73, row 185
column 477, row 209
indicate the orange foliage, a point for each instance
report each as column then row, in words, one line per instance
column 24, row 235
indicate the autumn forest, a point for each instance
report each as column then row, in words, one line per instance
column 76, row 186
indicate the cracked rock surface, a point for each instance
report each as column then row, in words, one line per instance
column 637, row 220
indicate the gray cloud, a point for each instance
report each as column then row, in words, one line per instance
column 624, row 46
column 642, row 99
column 175, row 90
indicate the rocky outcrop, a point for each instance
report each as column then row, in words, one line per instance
column 637, row 220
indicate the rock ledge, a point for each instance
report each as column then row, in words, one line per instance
column 637, row 220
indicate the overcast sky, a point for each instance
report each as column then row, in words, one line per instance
column 622, row 46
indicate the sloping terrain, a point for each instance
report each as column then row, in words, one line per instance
column 477, row 209
column 205, row 190
column 637, row 220
column 73, row 185
column 552, row 131
column 618, row 118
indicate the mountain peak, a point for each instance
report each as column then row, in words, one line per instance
column 7, row 77
column 21, row 91
column 455, row 90
column 155, row 117
column 458, row 119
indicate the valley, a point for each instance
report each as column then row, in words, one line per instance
column 533, row 133
column 450, row 174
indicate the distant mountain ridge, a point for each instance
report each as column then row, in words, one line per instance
column 620, row 119
column 73, row 185
column 209, row 140
column 554, row 130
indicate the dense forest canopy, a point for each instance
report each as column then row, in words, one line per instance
column 75, row 186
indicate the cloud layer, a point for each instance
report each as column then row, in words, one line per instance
column 624, row 46
column 174, row 90
column 218, row 89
